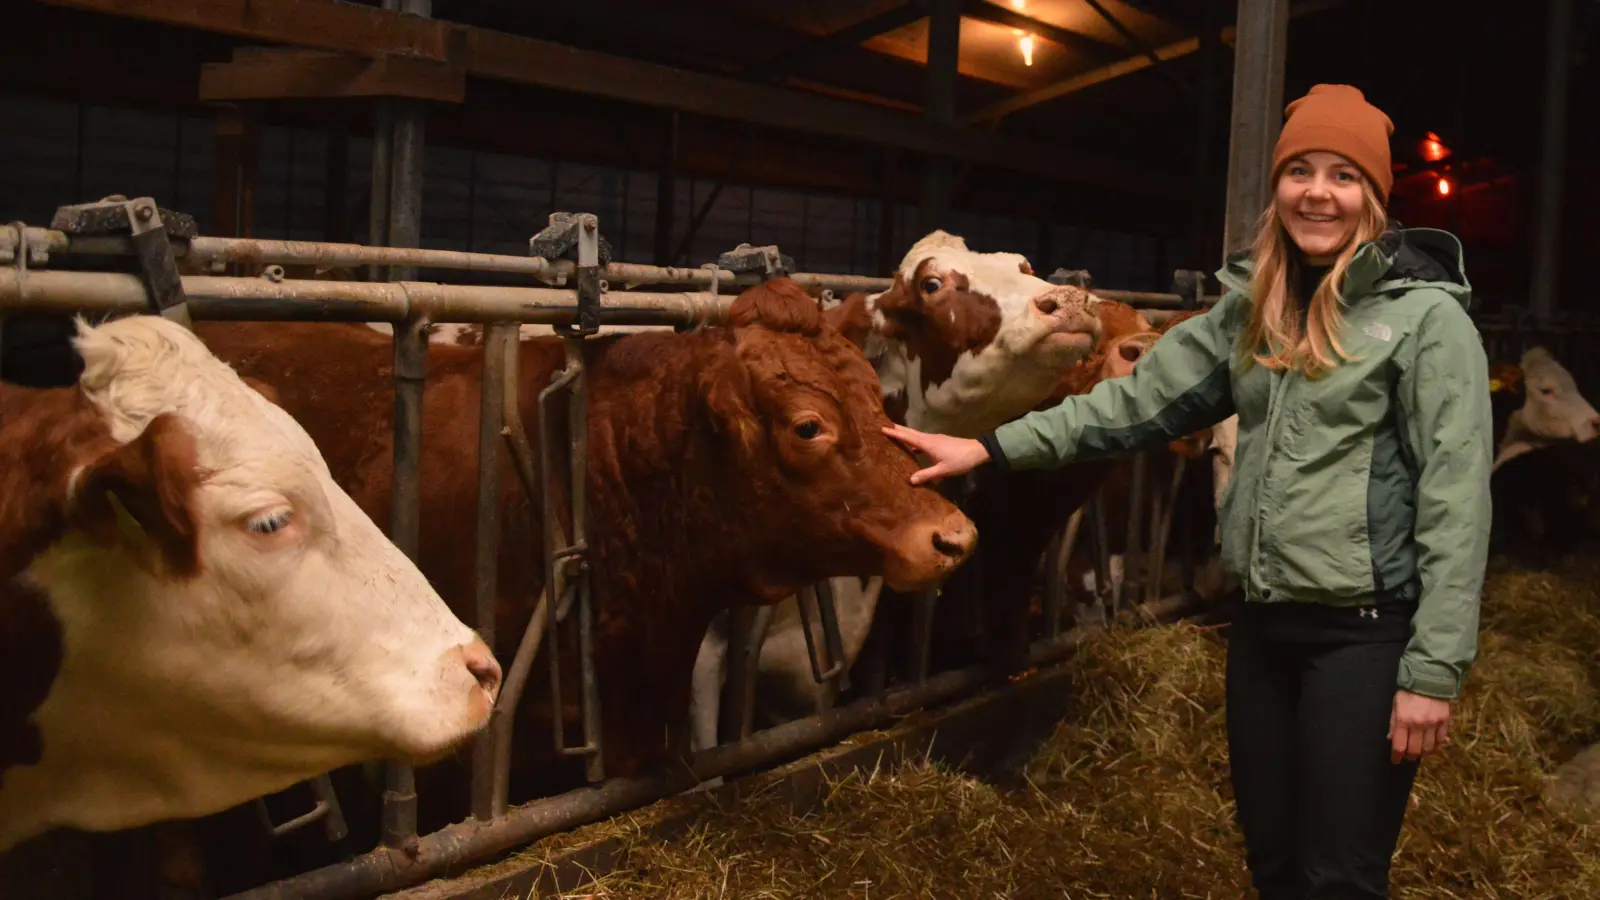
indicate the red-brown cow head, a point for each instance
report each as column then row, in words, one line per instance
column 965, row 341
column 800, row 415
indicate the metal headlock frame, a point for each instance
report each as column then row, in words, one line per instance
column 158, row 239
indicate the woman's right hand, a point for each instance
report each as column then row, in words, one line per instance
column 950, row 455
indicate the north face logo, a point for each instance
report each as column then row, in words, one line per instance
column 1379, row 330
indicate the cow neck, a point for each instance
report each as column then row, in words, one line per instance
column 43, row 435
column 659, row 477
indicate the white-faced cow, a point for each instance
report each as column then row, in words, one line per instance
column 192, row 612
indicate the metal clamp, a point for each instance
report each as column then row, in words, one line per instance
column 1190, row 286
column 767, row 260
column 151, row 230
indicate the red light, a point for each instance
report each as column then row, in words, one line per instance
column 1434, row 149
column 1445, row 187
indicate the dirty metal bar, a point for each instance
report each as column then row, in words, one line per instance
column 211, row 253
column 587, row 322
column 1132, row 574
column 261, row 300
column 465, row 843
column 821, row 594
column 505, row 709
column 1163, row 527
column 496, row 338
column 405, row 522
column 747, row 630
column 1101, row 534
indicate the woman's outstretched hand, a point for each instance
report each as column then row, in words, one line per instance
column 951, row 455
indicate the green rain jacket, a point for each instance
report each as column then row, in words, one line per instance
column 1368, row 484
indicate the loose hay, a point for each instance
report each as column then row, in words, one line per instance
column 1130, row 798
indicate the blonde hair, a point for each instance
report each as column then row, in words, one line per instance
column 1276, row 337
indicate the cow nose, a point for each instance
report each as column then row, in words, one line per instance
column 1046, row 304
column 956, row 540
column 483, row 666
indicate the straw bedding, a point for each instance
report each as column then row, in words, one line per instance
column 1129, row 798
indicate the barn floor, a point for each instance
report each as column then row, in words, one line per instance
column 1129, row 796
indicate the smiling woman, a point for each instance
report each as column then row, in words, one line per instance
column 1357, row 513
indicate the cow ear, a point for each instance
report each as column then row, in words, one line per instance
column 851, row 319
column 141, row 495
column 725, row 388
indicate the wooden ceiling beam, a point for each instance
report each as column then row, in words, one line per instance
column 523, row 60
column 1090, row 46
column 280, row 73
column 1085, row 80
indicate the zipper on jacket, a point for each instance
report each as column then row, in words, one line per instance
column 1278, row 387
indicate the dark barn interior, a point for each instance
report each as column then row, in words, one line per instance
column 1123, row 173
column 1111, row 136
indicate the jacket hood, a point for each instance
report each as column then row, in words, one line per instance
column 1401, row 260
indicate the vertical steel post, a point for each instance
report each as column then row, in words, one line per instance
column 404, row 191
column 1261, row 39
column 496, row 338
column 1552, row 161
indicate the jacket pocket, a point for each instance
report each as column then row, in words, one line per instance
column 1317, row 540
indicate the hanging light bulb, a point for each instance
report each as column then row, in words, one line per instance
column 1026, row 44
column 1445, row 186
column 1018, row 4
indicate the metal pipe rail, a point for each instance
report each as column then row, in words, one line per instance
column 260, row 299
column 213, row 253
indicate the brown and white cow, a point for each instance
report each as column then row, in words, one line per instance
column 192, row 612
column 1546, row 474
column 1552, row 408
column 729, row 465
column 962, row 342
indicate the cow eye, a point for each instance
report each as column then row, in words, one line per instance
column 931, row 285
column 808, row 430
column 270, row 524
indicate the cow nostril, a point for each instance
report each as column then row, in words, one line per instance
column 947, row 545
column 1047, row 305
column 484, row 667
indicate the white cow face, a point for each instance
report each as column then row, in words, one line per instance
column 231, row 623
column 1553, row 409
column 971, row 340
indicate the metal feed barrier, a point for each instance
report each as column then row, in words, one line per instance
column 578, row 299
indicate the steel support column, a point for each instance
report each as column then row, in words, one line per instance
column 1262, row 37
column 1552, row 161
column 939, row 105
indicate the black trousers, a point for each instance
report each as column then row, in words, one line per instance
column 1319, row 802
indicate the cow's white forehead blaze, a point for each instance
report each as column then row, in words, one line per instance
column 276, row 662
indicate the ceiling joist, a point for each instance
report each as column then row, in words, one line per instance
column 482, row 53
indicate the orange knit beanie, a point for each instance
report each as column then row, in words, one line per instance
column 1338, row 119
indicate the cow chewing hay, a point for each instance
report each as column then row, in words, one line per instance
column 1130, row 796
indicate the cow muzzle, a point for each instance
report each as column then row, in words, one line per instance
column 925, row 553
